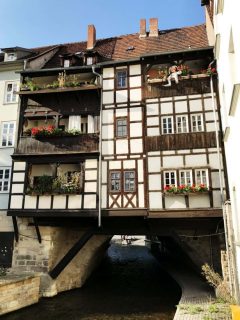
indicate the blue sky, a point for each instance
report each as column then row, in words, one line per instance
column 33, row 23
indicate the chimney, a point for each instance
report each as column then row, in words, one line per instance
column 143, row 32
column 91, row 37
column 153, row 27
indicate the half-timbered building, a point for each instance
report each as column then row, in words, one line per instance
column 107, row 131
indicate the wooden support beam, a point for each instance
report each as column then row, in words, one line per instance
column 54, row 273
column 15, row 227
column 37, row 230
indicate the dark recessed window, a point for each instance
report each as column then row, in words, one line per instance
column 121, row 128
column 115, row 183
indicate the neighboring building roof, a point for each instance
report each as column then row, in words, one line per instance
column 131, row 46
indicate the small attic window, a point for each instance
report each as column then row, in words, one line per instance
column 10, row 56
column 89, row 61
column 130, row 48
column 66, row 63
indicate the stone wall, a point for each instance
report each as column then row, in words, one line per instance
column 18, row 292
column 31, row 256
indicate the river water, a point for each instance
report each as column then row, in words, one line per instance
column 128, row 285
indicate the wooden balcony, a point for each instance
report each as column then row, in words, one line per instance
column 197, row 84
column 84, row 143
column 190, row 140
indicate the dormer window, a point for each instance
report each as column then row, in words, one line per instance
column 10, row 56
column 89, row 61
column 66, row 63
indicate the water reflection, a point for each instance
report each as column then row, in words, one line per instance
column 129, row 284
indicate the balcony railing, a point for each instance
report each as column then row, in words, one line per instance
column 197, row 84
column 82, row 143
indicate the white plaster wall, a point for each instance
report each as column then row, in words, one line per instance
column 107, row 147
column 140, row 171
column 16, row 202
column 166, row 108
column 19, row 166
column 154, row 164
column 199, row 201
column 136, row 114
column 135, row 95
column 114, row 165
column 175, row 202
column 121, row 96
column 152, row 109
column 196, row 160
column 108, row 84
column 107, row 116
column 154, row 182
column 153, row 132
column 108, row 72
column 155, row 200
column 135, row 69
column 195, row 105
column 136, row 146
column 122, row 146
column 17, row 188
column 136, row 130
column 59, row 202
column 107, row 132
column 135, row 81
column 121, row 112
column 141, row 195
column 172, row 162
column 74, row 201
column 181, row 106
column 91, row 164
column 44, row 202
column 107, row 97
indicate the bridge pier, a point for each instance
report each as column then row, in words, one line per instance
column 30, row 256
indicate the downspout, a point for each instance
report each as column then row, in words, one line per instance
column 225, row 219
column 100, row 154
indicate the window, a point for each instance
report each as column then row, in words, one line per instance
column 11, row 56
column 121, row 127
column 167, row 125
column 170, row 178
column 185, row 177
column 66, row 63
column 122, row 181
column 4, row 179
column 89, row 60
column 115, row 182
column 182, row 124
column 201, row 176
column 7, row 137
column 129, row 181
column 197, row 122
column 121, row 78
column 10, row 93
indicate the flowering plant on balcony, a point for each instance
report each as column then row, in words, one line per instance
column 185, row 188
column 42, row 131
column 51, row 131
column 184, row 69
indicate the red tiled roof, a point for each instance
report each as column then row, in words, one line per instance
column 116, row 48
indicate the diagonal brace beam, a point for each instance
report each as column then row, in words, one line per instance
column 54, row 273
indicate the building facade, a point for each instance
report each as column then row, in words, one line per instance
column 124, row 128
column 225, row 23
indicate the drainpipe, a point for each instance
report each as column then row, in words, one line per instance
column 100, row 154
column 225, row 218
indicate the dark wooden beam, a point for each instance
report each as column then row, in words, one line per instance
column 37, row 230
column 15, row 227
column 54, row 273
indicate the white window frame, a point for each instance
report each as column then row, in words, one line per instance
column 121, row 78
column 167, row 128
column 119, row 179
column 183, row 177
column 66, row 63
column 201, row 170
column 12, row 93
column 182, row 128
column 89, row 61
column 132, row 181
column 165, row 173
column 3, row 179
column 7, row 135
column 197, row 126
column 10, row 56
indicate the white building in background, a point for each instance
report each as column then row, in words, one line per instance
column 11, row 62
column 226, row 24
